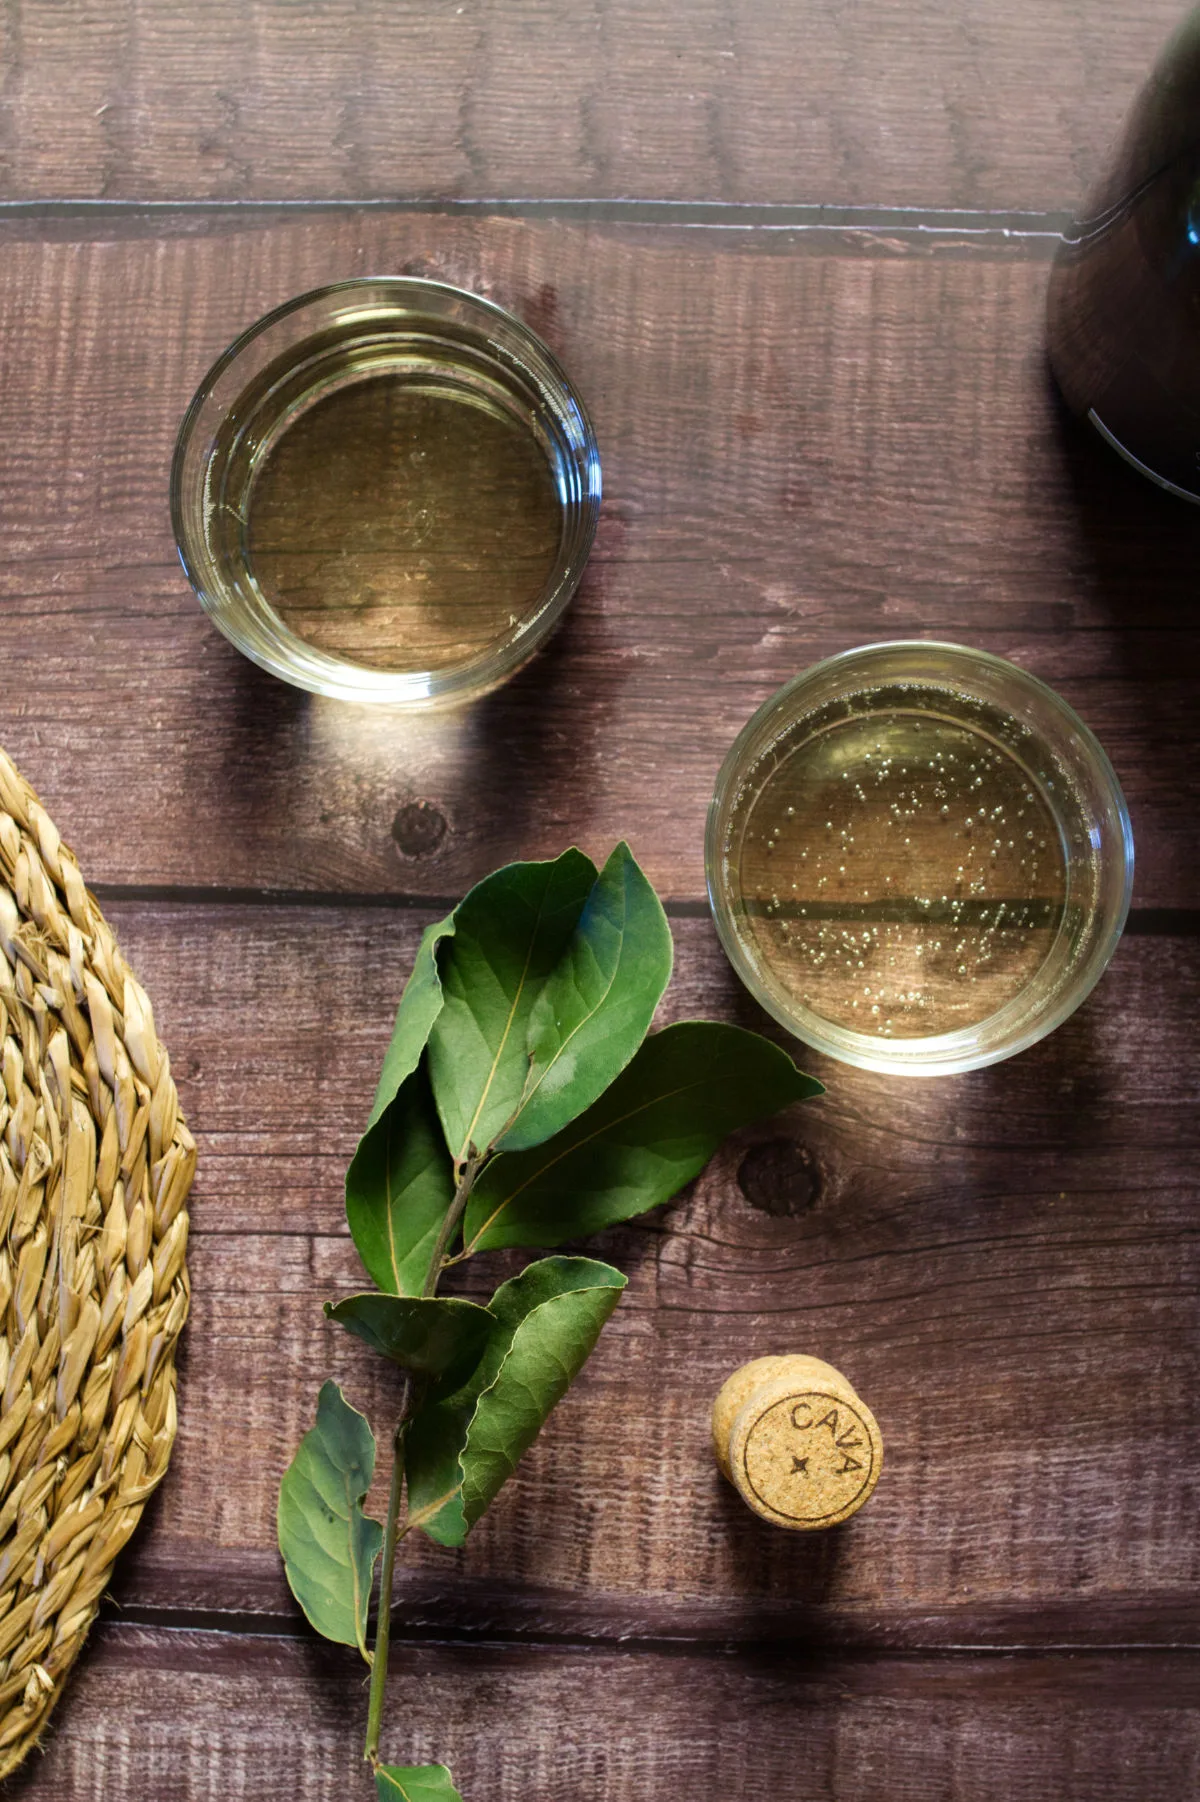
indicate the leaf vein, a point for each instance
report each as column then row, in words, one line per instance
column 391, row 1222
column 520, row 990
column 575, row 1145
column 578, row 1027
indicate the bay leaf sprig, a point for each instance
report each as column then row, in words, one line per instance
column 523, row 1102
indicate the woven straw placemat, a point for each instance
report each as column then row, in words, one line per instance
column 95, row 1167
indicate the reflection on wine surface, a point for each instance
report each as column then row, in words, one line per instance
column 403, row 523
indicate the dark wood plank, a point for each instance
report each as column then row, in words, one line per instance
column 802, row 451
column 810, row 439
column 1004, row 1264
column 207, row 1718
column 934, row 104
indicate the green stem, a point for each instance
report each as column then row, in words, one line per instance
column 466, row 1173
column 410, row 1399
column 391, row 1537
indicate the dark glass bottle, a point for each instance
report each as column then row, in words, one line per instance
column 1124, row 303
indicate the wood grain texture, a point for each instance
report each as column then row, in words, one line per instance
column 802, row 451
column 811, row 437
column 1004, row 1265
column 931, row 104
column 215, row 1720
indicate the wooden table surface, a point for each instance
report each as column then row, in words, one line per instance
column 794, row 252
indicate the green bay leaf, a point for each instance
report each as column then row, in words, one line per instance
column 465, row 1443
column 329, row 1545
column 652, row 1131
column 382, row 1141
column 437, row 1336
column 420, row 1004
column 596, row 1006
column 399, row 1187
column 509, row 934
column 414, row 1783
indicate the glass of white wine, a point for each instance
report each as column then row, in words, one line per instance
column 919, row 858
column 386, row 490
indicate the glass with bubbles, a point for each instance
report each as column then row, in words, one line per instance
column 919, row 858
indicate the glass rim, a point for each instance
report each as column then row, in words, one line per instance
column 942, row 1054
column 265, row 638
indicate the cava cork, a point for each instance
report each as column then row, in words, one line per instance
column 796, row 1442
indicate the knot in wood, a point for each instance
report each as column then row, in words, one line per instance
column 419, row 828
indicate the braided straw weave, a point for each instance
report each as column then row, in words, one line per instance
column 95, row 1167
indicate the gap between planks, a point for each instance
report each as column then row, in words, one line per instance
column 820, row 229
column 722, row 215
column 1143, row 922
column 799, row 1649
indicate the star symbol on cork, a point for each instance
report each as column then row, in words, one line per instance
column 799, row 1466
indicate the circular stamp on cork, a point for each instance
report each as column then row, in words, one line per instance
column 798, row 1444
column 809, row 1459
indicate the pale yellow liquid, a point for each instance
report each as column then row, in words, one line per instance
column 401, row 523
column 901, row 872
